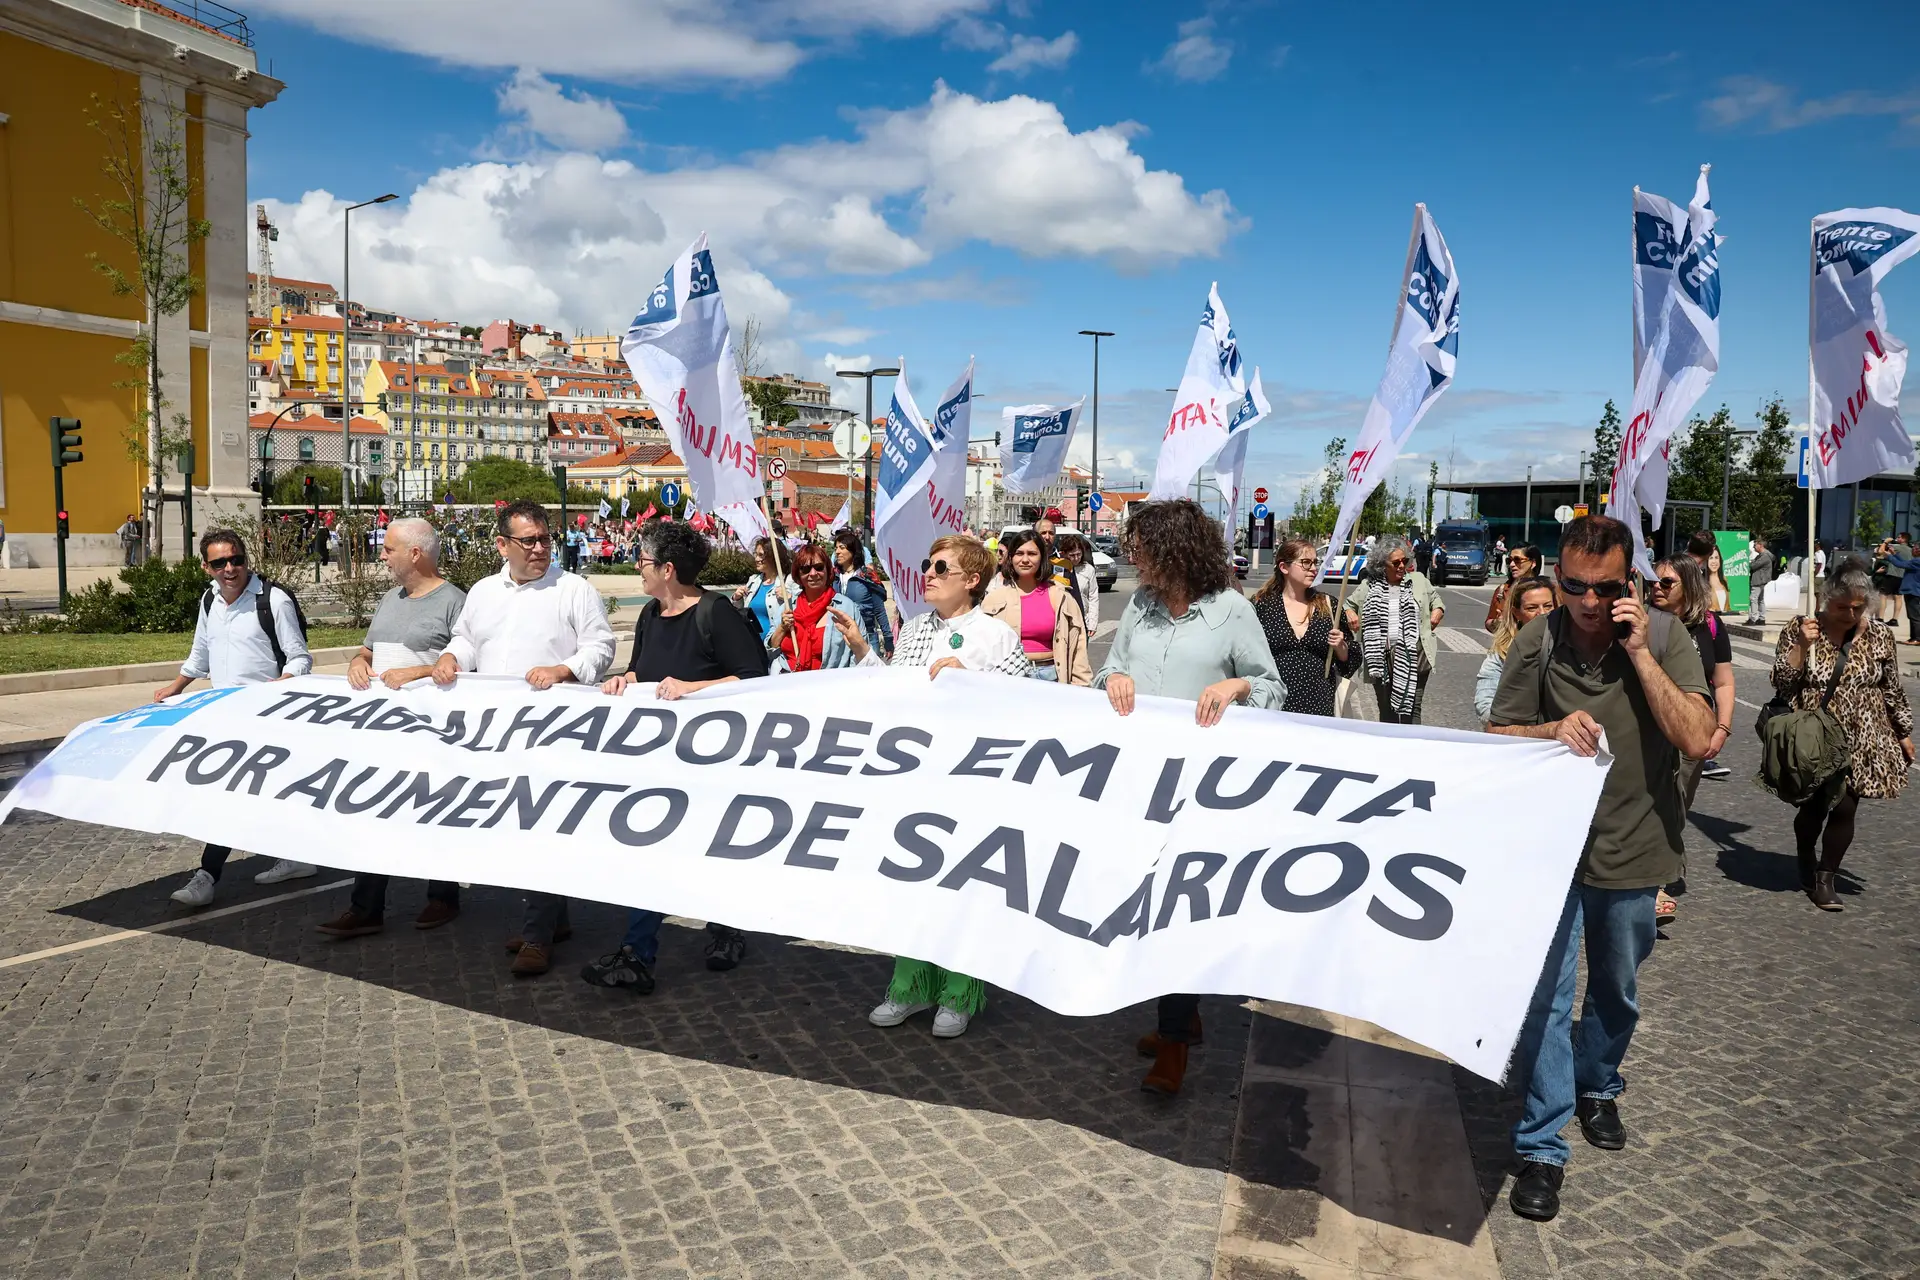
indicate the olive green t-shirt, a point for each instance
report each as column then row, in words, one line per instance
column 1635, row 839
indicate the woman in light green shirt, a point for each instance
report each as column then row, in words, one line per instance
column 1394, row 617
column 1186, row 633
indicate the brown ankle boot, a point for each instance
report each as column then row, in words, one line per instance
column 1149, row 1044
column 1822, row 892
column 1168, row 1070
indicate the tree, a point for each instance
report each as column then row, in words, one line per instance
column 1699, row 460
column 769, row 399
column 1762, row 488
column 503, row 480
column 148, row 213
column 1433, row 482
column 1606, row 451
column 1318, row 506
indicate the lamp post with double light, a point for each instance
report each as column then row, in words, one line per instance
column 1096, row 335
column 867, row 376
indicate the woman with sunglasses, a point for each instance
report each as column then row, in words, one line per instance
column 1530, row 598
column 954, row 634
column 1394, row 616
column 1041, row 612
column 1299, row 625
column 1187, row 633
column 803, row 639
column 1524, row 561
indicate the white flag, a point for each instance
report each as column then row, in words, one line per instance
column 606, row 510
column 1230, row 468
column 623, row 507
column 1420, row 363
column 899, row 504
column 681, row 350
column 940, row 509
column 840, row 521
column 1210, row 388
column 1037, row 436
column 1857, row 365
column 1676, row 349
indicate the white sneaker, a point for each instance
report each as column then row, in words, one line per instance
column 949, row 1023
column 197, row 892
column 285, row 870
column 890, row 1013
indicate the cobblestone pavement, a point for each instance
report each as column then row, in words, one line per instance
column 1773, row 1095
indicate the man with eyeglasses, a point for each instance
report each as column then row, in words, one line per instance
column 248, row 632
column 531, row 620
column 1599, row 665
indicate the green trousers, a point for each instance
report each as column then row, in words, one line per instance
column 919, row 982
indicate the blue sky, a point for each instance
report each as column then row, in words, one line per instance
column 936, row 179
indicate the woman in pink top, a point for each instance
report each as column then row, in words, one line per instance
column 1051, row 629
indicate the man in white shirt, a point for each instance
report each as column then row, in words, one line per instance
column 531, row 620
column 239, row 638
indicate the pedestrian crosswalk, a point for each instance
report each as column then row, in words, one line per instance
column 1454, row 640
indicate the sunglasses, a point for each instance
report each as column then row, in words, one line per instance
column 810, row 568
column 532, row 542
column 1667, row 583
column 937, row 568
column 1399, row 563
column 1611, row 589
column 238, row 562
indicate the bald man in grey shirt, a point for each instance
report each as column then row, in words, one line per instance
column 410, row 630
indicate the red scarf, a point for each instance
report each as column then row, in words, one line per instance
column 805, row 640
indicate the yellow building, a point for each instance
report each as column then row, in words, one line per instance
column 603, row 347
column 60, row 324
column 440, row 417
column 305, row 348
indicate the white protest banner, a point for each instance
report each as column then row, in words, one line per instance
column 1210, row 388
column 1857, row 365
column 680, row 349
column 1037, row 436
column 1676, row 346
column 1230, row 467
column 934, row 509
column 840, row 520
column 1420, row 364
column 1016, row 831
column 901, row 522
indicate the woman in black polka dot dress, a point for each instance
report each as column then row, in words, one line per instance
column 1300, row 629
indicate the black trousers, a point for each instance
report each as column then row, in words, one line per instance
column 213, row 858
column 1176, row 1017
column 370, row 893
column 1913, row 617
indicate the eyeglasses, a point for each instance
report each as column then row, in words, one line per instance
column 1611, row 589
column 642, row 562
column 1667, row 583
column 1399, row 562
column 532, row 542
column 238, row 562
column 937, row 568
column 810, row 568
column 1306, row 562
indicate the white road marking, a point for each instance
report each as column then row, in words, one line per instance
column 1455, row 640
column 168, row 926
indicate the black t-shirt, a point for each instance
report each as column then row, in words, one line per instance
column 1714, row 646
column 674, row 646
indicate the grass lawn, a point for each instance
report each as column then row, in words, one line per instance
column 62, row 652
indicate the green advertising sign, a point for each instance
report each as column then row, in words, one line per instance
column 1736, row 554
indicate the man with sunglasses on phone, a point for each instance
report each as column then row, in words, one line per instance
column 231, row 646
column 1599, row 664
column 533, row 621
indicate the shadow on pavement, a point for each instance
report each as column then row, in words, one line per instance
column 799, row 1010
column 1759, row 868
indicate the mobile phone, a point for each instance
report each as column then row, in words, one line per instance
column 1622, row 630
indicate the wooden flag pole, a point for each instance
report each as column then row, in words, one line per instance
column 1340, row 606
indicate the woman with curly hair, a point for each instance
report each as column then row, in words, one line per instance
column 1186, row 633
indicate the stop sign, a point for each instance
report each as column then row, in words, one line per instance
column 1259, row 495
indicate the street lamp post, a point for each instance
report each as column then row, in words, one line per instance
column 346, row 363
column 867, row 376
column 1096, row 335
column 1726, row 474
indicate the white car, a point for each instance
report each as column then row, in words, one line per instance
column 1338, row 570
column 1106, row 571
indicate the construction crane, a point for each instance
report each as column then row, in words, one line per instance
column 265, row 233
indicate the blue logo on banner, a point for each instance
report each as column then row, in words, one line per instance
column 944, row 415
column 1858, row 244
column 701, row 280
column 670, row 494
column 107, row 748
column 1426, row 285
column 1656, row 243
column 1029, row 429
column 661, row 306
column 901, row 451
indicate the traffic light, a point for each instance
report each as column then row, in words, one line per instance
column 186, row 458
column 60, row 523
column 307, row 492
column 381, row 401
column 66, row 440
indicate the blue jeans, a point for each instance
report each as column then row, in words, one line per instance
column 1561, row 1061
column 643, row 934
column 1047, row 673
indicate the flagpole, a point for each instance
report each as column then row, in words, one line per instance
column 1813, row 492
column 1340, row 607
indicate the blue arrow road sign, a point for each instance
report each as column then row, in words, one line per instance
column 1095, row 501
column 670, row 494
column 1259, row 511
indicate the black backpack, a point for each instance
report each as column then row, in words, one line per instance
column 263, row 612
column 703, row 612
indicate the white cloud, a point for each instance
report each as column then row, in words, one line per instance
column 625, row 41
column 1774, row 108
column 576, row 121
column 1029, row 52
column 1197, row 54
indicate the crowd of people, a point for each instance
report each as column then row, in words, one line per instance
column 1575, row 654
